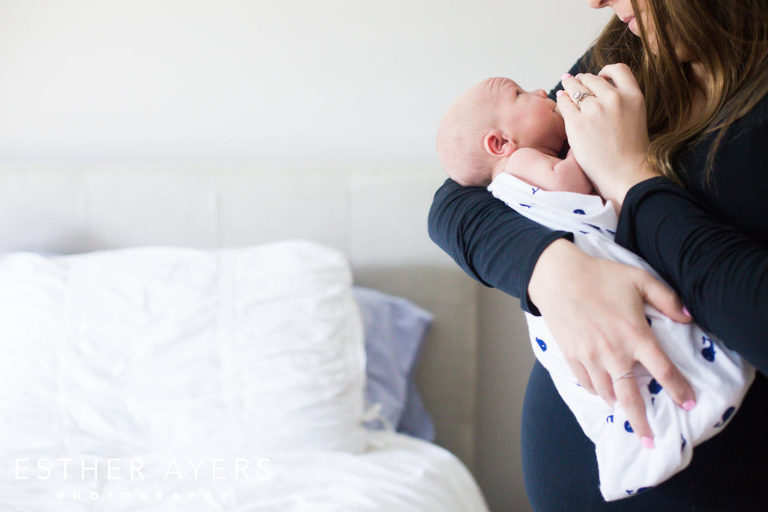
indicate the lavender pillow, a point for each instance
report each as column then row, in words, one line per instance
column 394, row 331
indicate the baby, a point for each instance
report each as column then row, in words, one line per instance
column 498, row 127
column 500, row 136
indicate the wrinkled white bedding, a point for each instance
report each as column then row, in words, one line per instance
column 395, row 473
column 132, row 351
column 181, row 379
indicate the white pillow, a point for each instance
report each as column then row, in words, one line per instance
column 145, row 350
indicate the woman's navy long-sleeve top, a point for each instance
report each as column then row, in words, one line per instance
column 709, row 241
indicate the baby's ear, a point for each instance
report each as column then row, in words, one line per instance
column 496, row 143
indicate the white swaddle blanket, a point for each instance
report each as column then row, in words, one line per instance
column 719, row 377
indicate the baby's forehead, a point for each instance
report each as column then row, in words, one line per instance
column 499, row 84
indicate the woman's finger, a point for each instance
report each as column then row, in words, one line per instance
column 572, row 86
column 621, row 76
column 667, row 375
column 596, row 84
column 603, row 384
column 628, row 395
column 651, row 356
column 565, row 105
column 582, row 376
column 660, row 296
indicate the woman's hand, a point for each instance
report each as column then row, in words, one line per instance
column 607, row 129
column 594, row 309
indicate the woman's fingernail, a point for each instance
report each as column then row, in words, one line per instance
column 566, row 75
column 689, row 404
column 686, row 312
column 559, row 93
column 647, row 442
column 579, row 75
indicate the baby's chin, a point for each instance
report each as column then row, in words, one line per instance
column 559, row 145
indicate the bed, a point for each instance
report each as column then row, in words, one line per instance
column 191, row 338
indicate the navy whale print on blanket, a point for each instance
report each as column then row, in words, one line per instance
column 726, row 416
column 709, row 350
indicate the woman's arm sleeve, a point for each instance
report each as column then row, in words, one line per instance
column 488, row 239
column 720, row 274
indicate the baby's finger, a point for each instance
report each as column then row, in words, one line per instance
column 628, row 395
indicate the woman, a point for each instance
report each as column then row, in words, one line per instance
column 688, row 102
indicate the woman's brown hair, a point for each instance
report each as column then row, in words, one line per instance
column 729, row 38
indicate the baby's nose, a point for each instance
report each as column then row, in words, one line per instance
column 540, row 92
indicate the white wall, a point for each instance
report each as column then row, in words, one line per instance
column 289, row 81
column 299, row 80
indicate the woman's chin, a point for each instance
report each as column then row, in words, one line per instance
column 633, row 27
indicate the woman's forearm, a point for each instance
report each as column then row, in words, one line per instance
column 490, row 241
column 721, row 275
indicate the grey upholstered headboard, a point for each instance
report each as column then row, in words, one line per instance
column 377, row 216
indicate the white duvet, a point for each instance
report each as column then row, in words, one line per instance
column 180, row 379
column 126, row 352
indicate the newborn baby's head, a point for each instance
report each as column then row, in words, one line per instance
column 489, row 122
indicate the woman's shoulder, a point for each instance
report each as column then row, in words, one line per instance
column 756, row 117
column 735, row 187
